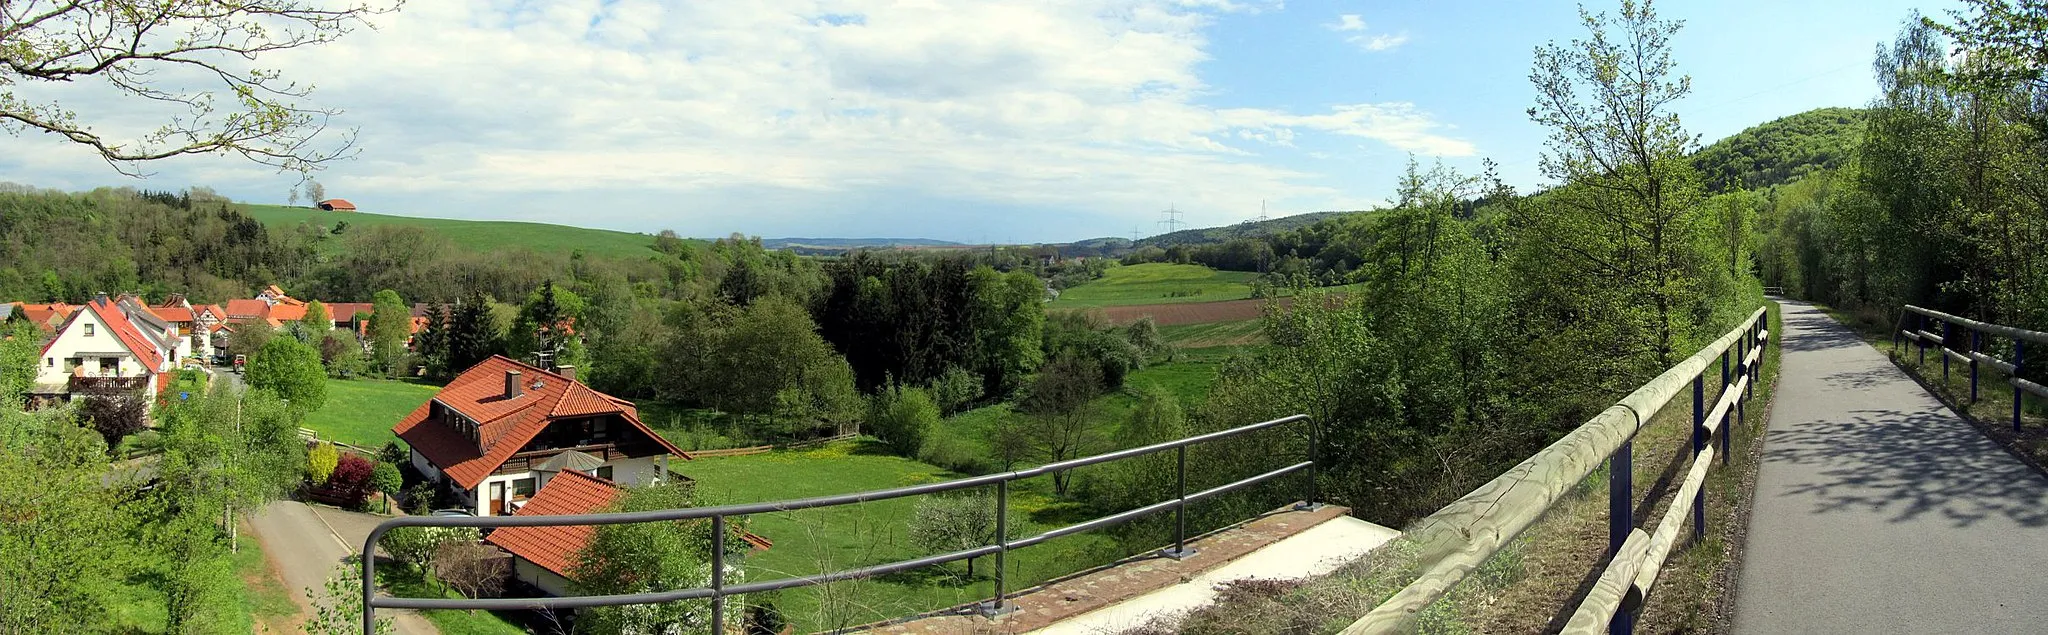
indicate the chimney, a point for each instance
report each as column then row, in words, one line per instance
column 566, row 371
column 511, row 384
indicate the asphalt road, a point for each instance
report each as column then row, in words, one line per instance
column 1878, row 510
column 308, row 547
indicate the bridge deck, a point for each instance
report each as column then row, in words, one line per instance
column 1878, row 510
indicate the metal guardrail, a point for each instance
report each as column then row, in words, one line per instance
column 1777, row 291
column 1456, row 540
column 1973, row 354
column 718, row 590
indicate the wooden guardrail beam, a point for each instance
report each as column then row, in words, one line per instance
column 1455, row 540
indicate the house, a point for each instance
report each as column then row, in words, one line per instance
column 251, row 310
column 488, row 434
column 48, row 316
column 99, row 349
column 173, row 343
column 546, row 557
column 337, row 205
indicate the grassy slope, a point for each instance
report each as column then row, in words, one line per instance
column 478, row 235
column 1158, row 283
column 819, row 540
column 362, row 411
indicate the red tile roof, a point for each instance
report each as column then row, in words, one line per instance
column 336, row 203
column 172, row 313
column 247, row 309
column 556, row 548
column 137, row 344
column 49, row 315
column 505, row 425
column 286, row 312
column 347, row 311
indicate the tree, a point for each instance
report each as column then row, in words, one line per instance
column 290, row 370
column 432, row 341
column 903, row 417
column 472, row 333
column 338, row 606
column 657, row 556
column 1616, row 238
column 1060, row 402
column 249, row 337
column 317, row 321
column 385, row 479
column 390, row 327
column 341, row 353
column 474, row 569
column 320, row 462
column 315, row 192
column 259, row 114
column 67, row 535
column 115, row 416
column 944, row 524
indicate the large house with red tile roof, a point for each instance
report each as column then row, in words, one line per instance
column 546, row 557
column 101, row 348
column 490, row 434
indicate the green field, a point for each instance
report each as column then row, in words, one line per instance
column 1214, row 334
column 362, row 411
column 478, row 235
column 819, row 540
column 1158, row 283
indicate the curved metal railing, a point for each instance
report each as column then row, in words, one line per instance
column 718, row 590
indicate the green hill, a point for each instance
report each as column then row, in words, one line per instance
column 1245, row 229
column 1158, row 283
column 480, row 235
column 1783, row 150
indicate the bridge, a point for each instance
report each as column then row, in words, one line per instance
column 1876, row 508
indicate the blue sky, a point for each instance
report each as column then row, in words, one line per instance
column 998, row 120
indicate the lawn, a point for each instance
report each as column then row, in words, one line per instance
column 818, row 540
column 1158, row 283
column 476, row 235
column 362, row 411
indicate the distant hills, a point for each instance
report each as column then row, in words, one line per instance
column 1782, row 150
column 477, row 235
column 854, row 243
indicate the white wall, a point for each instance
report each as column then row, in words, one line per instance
column 73, row 342
column 546, row 580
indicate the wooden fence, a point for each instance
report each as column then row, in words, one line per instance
column 1980, row 335
column 699, row 454
column 1457, row 539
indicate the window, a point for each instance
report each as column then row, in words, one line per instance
column 604, row 472
column 49, row 362
column 88, row 329
column 522, row 488
column 110, row 365
column 597, row 430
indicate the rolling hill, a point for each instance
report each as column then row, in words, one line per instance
column 480, row 235
column 1782, row 150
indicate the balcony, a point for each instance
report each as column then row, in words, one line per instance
column 104, row 385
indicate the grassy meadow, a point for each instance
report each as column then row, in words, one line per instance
column 1157, row 283
column 476, row 235
column 362, row 411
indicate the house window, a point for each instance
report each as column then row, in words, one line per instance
column 49, row 362
column 72, row 363
column 597, row 429
column 88, row 330
column 110, row 364
column 604, row 472
column 522, row 488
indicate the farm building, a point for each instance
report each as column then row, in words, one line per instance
column 337, row 205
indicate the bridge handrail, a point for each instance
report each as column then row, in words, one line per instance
column 718, row 591
column 1973, row 352
column 1457, row 539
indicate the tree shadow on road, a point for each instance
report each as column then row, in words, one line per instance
column 1910, row 466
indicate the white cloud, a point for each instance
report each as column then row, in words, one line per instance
column 1086, row 105
column 1382, row 42
column 1347, row 22
column 1354, row 23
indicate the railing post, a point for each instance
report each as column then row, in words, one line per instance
column 1976, row 348
column 1725, row 385
column 1699, row 444
column 1948, row 331
column 1314, row 489
column 369, row 593
column 1180, row 548
column 2019, row 362
column 1922, row 332
column 995, row 607
column 717, row 575
column 1620, row 498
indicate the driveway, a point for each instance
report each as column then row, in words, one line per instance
column 308, row 542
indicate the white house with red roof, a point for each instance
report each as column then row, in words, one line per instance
column 491, row 435
column 100, row 348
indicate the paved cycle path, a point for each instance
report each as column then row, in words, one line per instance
column 1878, row 510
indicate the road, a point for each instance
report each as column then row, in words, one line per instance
column 307, row 543
column 1878, row 510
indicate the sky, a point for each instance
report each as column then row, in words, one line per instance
column 1005, row 121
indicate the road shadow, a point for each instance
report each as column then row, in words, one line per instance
column 1814, row 331
column 1909, row 467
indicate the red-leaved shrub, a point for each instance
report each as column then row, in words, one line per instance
column 351, row 476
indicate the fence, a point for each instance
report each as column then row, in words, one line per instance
column 718, row 590
column 1455, row 540
column 1774, row 291
column 1974, row 355
column 763, row 449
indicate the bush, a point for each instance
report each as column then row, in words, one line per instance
column 955, row 390
column 956, row 454
column 385, row 478
column 393, row 453
column 416, row 545
column 904, row 418
column 320, row 462
column 419, row 499
column 351, row 478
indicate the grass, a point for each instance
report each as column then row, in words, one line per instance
column 475, row 235
column 819, row 540
column 405, row 581
column 1157, row 283
column 1214, row 334
column 264, row 596
column 362, row 411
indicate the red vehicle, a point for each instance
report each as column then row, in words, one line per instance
column 239, row 361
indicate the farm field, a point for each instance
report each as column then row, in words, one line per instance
column 362, row 411
column 819, row 540
column 1214, row 334
column 1157, row 283
column 476, row 235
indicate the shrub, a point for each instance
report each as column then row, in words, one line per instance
column 393, row 453
column 320, row 462
column 385, row 478
column 419, row 499
column 904, row 418
column 351, row 477
column 416, row 545
column 955, row 390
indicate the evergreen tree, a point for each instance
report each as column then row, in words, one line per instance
column 472, row 335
